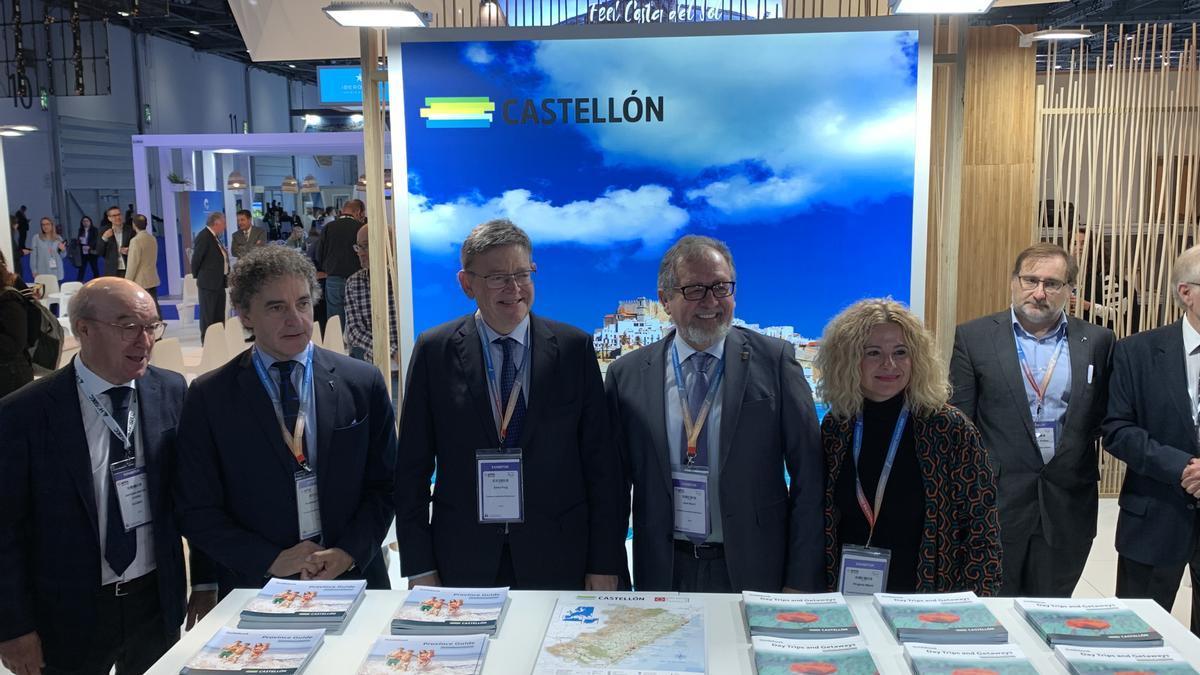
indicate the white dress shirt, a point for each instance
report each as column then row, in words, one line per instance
column 310, row 408
column 97, row 435
column 1191, row 353
column 521, row 335
column 712, row 426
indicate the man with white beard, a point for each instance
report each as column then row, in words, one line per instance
column 707, row 421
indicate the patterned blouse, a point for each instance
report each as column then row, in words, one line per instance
column 960, row 550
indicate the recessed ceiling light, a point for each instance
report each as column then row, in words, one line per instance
column 940, row 6
column 1028, row 39
column 380, row 13
column 312, row 119
column 356, row 118
column 11, row 133
column 227, row 151
column 291, row 65
column 194, row 32
column 27, row 128
column 125, row 14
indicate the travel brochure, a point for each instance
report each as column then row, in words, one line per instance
column 1104, row 622
column 429, row 610
column 440, row 655
column 926, row 659
column 780, row 656
column 820, row 615
column 232, row 650
column 940, row 618
column 303, row 604
column 1108, row 661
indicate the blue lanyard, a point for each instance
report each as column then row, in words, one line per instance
column 504, row 409
column 1040, row 390
column 872, row 515
column 692, row 428
column 294, row 438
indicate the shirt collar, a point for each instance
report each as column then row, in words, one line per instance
column 1191, row 338
column 520, row 333
column 1060, row 330
column 269, row 360
column 716, row 349
column 93, row 383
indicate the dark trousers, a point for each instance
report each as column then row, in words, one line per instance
column 154, row 296
column 212, row 309
column 1035, row 569
column 129, row 634
column 89, row 259
column 706, row 574
column 1160, row 583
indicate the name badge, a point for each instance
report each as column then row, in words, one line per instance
column 132, row 492
column 690, row 490
column 53, row 263
column 500, row 485
column 307, row 505
column 1046, row 434
column 863, row 570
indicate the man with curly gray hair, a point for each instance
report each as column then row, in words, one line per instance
column 287, row 451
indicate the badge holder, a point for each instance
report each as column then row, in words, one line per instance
column 308, row 506
column 690, row 497
column 129, row 480
column 863, row 570
column 500, row 485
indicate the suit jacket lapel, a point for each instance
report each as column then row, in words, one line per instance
column 544, row 352
column 71, row 441
column 1005, row 345
column 1171, row 362
column 149, row 394
column 654, row 383
column 255, row 400
column 470, row 360
column 1081, row 357
column 327, row 390
column 737, row 362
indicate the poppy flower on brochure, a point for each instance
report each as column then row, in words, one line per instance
column 797, row 617
column 1089, row 624
column 814, row 668
column 938, row 617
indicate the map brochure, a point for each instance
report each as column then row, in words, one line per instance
column 1087, row 623
column 819, row 615
column 780, row 656
column 429, row 610
column 621, row 633
column 1109, row 661
column 234, row 650
column 940, row 618
column 926, row 659
column 283, row 603
column 428, row 655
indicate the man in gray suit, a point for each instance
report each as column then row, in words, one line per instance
column 247, row 236
column 707, row 421
column 1035, row 382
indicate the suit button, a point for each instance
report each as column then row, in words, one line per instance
column 1191, row 507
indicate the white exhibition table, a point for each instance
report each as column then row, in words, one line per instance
column 515, row 648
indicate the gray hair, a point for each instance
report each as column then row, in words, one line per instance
column 490, row 235
column 264, row 264
column 687, row 249
column 213, row 217
column 1186, row 270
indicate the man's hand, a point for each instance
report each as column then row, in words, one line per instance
column 107, row 235
column 294, row 560
column 23, row 655
column 331, row 563
column 1190, row 480
column 199, row 604
column 431, row 579
column 124, row 250
column 600, row 582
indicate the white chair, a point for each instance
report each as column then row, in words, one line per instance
column 191, row 298
column 66, row 290
column 49, row 284
column 215, row 353
column 334, row 341
column 168, row 354
column 235, row 340
column 316, row 334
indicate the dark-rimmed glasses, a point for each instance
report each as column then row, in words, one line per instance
column 498, row 281
column 694, row 292
column 132, row 331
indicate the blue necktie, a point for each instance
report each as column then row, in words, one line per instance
column 120, row 547
column 508, row 375
column 289, row 398
column 700, row 362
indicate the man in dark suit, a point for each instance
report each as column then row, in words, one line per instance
column 287, row 452
column 1151, row 426
column 114, row 243
column 90, row 581
column 711, row 510
column 247, row 236
column 509, row 407
column 210, row 266
column 336, row 257
column 1035, row 382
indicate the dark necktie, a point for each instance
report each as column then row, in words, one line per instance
column 508, row 376
column 700, row 362
column 289, row 398
column 120, row 547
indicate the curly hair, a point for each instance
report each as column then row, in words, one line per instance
column 838, row 362
column 263, row 265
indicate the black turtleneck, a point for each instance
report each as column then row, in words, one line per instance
column 902, row 519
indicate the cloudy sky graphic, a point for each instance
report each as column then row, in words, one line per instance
column 796, row 149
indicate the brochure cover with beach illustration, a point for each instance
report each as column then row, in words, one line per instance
column 233, row 650
column 429, row 609
column 443, row 655
column 788, row 615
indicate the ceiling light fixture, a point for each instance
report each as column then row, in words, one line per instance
column 24, row 128
column 310, row 184
column 940, row 6
column 194, row 32
column 1027, row 39
column 356, row 118
column 290, row 185
column 236, row 181
column 291, row 65
column 124, row 14
column 226, row 151
column 361, row 185
column 377, row 13
column 10, row 133
column 312, row 120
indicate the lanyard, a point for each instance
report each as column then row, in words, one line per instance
column 1040, row 390
column 293, row 439
column 872, row 516
column 126, row 435
column 690, row 427
column 503, row 410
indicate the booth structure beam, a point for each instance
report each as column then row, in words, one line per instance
column 175, row 270
column 6, row 242
column 950, row 218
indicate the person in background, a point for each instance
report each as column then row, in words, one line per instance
column 16, row 370
column 210, row 265
column 906, row 472
column 88, row 236
column 22, row 231
column 247, row 235
column 296, row 238
column 358, row 306
column 114, row 243
column 143, row 260
column 49, row 251
column 336, row 258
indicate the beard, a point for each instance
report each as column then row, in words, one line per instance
column 695, row 335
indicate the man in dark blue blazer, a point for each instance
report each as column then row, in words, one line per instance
column 1151, row 426
column 83, row 593
column 210, row 267
column 286, row 452
column 465, row 406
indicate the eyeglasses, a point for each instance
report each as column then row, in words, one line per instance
column 360, row 248
column 721, row 289
column 1050, row 285
column 132, row 331
column 498, row 281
